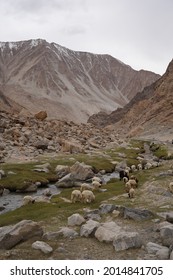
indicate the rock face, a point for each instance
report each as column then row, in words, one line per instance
column 149, row 111
column 24, row 230
column 39, row 76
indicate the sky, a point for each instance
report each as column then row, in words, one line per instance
column 137, row 32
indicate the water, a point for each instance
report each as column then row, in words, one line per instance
column 107, row 177
column 13, row 200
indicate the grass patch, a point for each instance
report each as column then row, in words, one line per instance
column 20, row 176
column 129, row 153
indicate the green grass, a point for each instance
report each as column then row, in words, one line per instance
column 129, row 153
column 23, row 175
column 161, row 152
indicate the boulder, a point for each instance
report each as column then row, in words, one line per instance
column 75, row 220
column 67, row 232
column 137, row 214
column 163, row 254
column 62, row 170
column 89, row 228
column 22, row 231
column 42, row 115
column 92, row 214
column 107, row 231
column 153, row 248
column 42, row 246
column 67, row 181
column 126, row 240
column 107, row 208
column 166, row 233
column 81, row 171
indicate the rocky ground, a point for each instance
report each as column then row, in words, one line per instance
column 144, row 223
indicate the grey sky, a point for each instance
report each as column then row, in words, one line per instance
column 138, row 32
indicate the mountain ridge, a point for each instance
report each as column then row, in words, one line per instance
column 69, row 85
column 149, row 112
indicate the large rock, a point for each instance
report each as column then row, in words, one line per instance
column 107, row 231
column 163, row 254
column 75, row 220
column 153, row 248
column 67, row 181
column 89, row 228
column 166, row 233
column 92, row 214
column 67, row 232
column 126, row 240
column 42, row 246
column 107, row 208
column 81, row 171
column 62, row 170
column 137, row 214
column 22, row 231
column 42, row 115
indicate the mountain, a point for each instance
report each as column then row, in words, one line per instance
column 149, row 112
column 70, row 85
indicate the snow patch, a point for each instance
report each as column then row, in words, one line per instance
column 35, row 42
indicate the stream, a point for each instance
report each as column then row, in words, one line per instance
column 11, row 200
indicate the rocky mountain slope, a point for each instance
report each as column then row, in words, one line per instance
column 148, row 112
column 69, row 85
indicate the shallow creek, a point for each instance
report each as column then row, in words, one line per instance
column 11, row 201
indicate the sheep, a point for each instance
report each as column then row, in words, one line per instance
column 133, row 167
column 131, row 193
column 170, row 187
column 97, row 179
column 96, row 185
column 127, row 187
column 133, row 177
column 76, row 196
column 122, row 174
column 88, row 196
column 125, row 179
column 148, row 165
column 133, row 183
column 127, row 171
column 28, row 200
column 139, row 166
column 85, row 186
